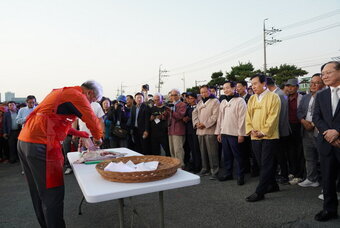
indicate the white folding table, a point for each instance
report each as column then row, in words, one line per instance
column 96, row 189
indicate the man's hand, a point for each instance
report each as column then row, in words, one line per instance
column 152, row 117
column 219, row 138
column 260, row 134
column 308, row 125
column 186, row 119
column 336, row 143
column 202, row 126
column 240, row 139
column 254, row 133
column 331, row 135
column 145, row 134
column 97, row 142
column 257, row 134
column 5, row 136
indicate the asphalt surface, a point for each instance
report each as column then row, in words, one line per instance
column 209, row 204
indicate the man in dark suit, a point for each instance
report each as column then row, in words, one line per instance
column 284, row 131
column 11, row 131
column 326, row 118
column 139, row 123
column 246, row 150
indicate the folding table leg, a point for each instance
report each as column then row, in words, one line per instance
column 121, row 212
column 161, row 205
column 79, row 208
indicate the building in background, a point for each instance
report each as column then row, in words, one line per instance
column 9, row 96
column 19, row 100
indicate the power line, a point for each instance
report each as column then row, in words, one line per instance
column 244, row 53
column 220, row 55
column 311, row 20
column 311, row 31
column 245, row 44
column 312, row 58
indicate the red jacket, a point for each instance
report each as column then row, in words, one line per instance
column 176, row 124
column 72, row 102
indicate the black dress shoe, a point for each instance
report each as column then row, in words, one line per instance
column 255, row 197
column 273, row 188
column 325, row 215
column 240, row 180
column 224, row 178
column 283, row 180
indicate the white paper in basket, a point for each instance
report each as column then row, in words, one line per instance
column 131, row 167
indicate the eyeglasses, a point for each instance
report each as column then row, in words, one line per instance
column 327, row 73
column 174, row 95
column 316, row 83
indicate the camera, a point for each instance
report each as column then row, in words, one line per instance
column 145, row 87
column 170, row 105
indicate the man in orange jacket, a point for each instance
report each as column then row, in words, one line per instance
column 39, row 146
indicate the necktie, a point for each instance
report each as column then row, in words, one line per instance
column 335, row 99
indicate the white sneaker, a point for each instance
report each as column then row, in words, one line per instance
column 308, row 183
column 290, row 177
column 320, row 196
column 68, row 171
column 295, row 181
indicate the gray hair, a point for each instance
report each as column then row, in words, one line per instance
column 159, row 95
column 176, row 90
column 96, row 87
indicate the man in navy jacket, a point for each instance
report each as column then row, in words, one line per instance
column 326, row 118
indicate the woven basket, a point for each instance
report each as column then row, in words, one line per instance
column 166, row 168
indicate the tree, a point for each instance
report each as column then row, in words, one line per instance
column 217, row 79
column 194, row 89
column 240, row 72
column 284, row 72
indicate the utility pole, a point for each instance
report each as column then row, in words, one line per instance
column 268, row 42
column 160, row 76
column 121, row 88
column 183, row 79
column 196, row 81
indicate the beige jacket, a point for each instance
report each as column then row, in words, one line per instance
column 231, row 118
column 206, row 113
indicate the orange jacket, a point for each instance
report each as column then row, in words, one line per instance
column 73, row 102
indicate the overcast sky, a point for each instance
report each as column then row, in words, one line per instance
column 52, row 44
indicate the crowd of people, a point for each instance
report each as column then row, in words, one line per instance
column 275, row 133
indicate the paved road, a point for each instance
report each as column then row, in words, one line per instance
column 210, row 204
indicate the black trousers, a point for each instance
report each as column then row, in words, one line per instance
column 116, row 142
column 248, row 156
column 158, row 140
column 141, row 145
column 3, row 148
column 329, row 172
column 12, row 143
column 296, row 158
column 281, row 156
column 232, row 150
column 48, row 203
column 69, row 146
column 264, row 151
column 195, row 152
